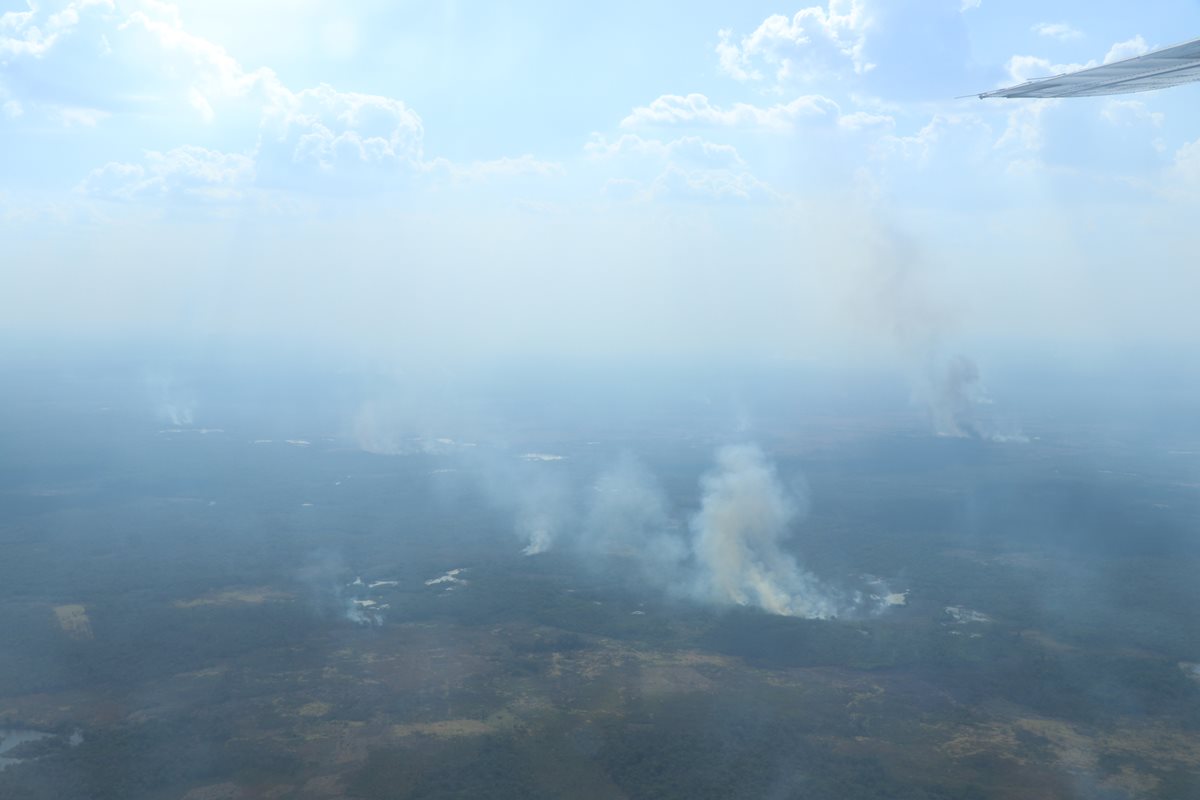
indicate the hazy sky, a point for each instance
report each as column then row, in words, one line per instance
column 541, row 177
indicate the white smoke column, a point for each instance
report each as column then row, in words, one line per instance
column 954, row 397
column 171, row 405
column 543, row 510
column 538, row 530
column 743, row 520
column 899, row 297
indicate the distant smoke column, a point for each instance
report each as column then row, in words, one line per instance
column 955, row 397
column 169, row 405
column 543, row 507
column 743, row 519
column 538, row 531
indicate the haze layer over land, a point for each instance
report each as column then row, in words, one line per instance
column 529, row 400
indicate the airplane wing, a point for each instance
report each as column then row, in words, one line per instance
column 1170, row 66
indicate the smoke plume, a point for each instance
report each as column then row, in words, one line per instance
column 172, row 405
column 950, row 388
column 955, row 394
column 744, row 518
column 732, row 552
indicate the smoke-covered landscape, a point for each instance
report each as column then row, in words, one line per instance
column 648, row 401
column 667, row 591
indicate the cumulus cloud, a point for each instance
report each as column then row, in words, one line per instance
column 813, row 42
column 691, row 149
column 919, row 147
column 187, row 172
column 508, row 167
column 330, row 129
column 148, row 61
column 80, row 117
column 34, row 32
column 1023, row 68
column 1025, row 129
column 1131, row 48
column 1126, row 113
column 695, row 109
column 1179, row 181
column 687, row 168
column 1057, row 30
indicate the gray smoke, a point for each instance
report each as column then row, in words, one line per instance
column 745, row 517
column 543, row 511
column 731, row 552
column 536, row 493
column 172, row 404
column 328, row 592
column 950, row 388
column 628, row 518
column 954, row 395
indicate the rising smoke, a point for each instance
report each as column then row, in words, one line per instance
column 952, row 396
column 950, row 388
column 731, row 552
column 737, row 536
column 628, row 518
column 543, row 508
column 172, row 404
column 329, row 594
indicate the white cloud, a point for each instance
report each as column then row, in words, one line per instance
column 187, row 172
column 688, row 148
column 297, row 138
column 33, row 33
column 80, row 117
column 1057, row 30
column 1128, row 49
column 209, row 69
column 9, row 107
column 1131, row 112
column 1187, row 164
column 21, row 37
column 1028, row 68
column 688, row 168
column 201, row 104
column 508, row 167
column 1031, row 68
column 815, row 41
column 920, row 146
column 865, row 120
column 1025, row 121
column 695, row 109
column 1025, row 125
column 710, row 184
column 328, row 127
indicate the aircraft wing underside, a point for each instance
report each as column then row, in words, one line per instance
column 1171, row 66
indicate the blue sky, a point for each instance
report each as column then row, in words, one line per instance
column 660, row 178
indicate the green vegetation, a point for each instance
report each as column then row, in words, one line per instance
column 219, row 651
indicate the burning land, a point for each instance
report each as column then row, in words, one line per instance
column 830, row 609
